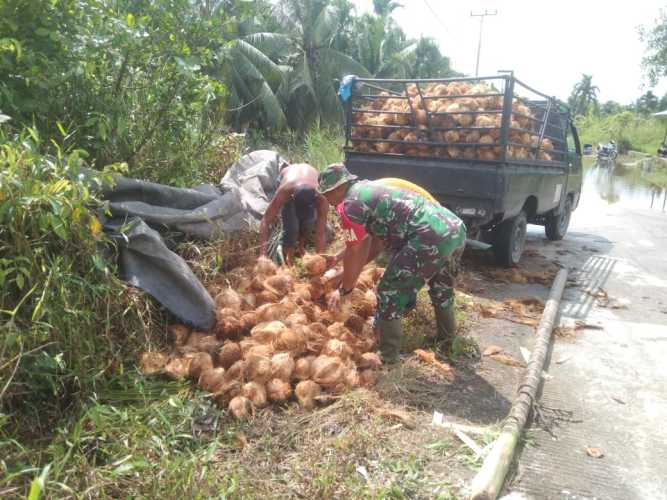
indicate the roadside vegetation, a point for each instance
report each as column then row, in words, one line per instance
column 171, row 92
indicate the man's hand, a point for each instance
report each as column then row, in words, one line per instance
column 335, row 301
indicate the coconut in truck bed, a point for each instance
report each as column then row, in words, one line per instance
column 496, row 152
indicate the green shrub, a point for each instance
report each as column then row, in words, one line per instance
column 64, row 318
column 629, row 130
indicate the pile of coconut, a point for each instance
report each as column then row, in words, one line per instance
column 276, row 340
column 457, row 120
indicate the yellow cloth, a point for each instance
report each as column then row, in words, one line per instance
column 408, row 186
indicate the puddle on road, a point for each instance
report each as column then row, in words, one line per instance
column 623, row 183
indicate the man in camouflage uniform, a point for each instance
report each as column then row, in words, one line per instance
column 425, row 238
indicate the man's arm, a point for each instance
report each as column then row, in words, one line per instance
column 354, row 261
column 281, row 197
column 322, row 206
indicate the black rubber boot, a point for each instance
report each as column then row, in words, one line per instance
column 445, row 320
column 390, row 340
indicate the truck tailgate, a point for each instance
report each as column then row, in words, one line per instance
column 472, row 190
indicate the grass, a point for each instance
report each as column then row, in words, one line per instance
column 419, row 329
column 319, row 147
column 78, row 421
column 629, row 130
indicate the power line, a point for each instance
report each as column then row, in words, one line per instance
column 481, row 16
column 437, row 17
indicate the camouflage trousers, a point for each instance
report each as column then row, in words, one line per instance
column 415, row 265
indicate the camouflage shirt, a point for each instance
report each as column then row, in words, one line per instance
column 397, row 216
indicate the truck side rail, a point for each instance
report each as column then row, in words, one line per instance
column 457, row 118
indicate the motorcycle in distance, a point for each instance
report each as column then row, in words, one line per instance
column 606, row 152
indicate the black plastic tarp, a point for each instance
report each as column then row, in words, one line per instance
column 140, row 209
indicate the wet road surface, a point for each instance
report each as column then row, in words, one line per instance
column 607, row 389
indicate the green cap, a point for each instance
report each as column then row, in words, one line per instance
column 333, row 176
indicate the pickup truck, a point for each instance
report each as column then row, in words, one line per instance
column 496, row 152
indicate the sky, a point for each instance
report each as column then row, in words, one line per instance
column 548, row 44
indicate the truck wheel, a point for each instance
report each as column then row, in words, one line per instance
column 556, row 224
column 509, row 240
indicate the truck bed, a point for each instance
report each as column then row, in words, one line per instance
column 481, row 193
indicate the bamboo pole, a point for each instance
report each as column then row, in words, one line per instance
column 489, row 480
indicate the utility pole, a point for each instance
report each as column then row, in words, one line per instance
column 481, row 16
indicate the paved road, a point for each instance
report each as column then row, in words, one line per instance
column 614, row 380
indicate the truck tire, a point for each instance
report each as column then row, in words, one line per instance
column 510, row 237
column 556, row 225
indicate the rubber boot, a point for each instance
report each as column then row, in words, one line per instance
column 390, row 340
column 445, row 321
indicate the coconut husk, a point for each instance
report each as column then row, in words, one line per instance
column 282, row 366
column 257, row 284
column 265, row 267
column 229, row 390
column 228, row 298
column 306, row 393
column 229, row 327
column 352, row 378
column 178, row 368
column 246, row 344
column 272, row 312
column 211, row 380
column 302, row 291
column 369, row 360
column 314, row 264
column 266, row 297
column 302, row 368
column 293, row 341
column 328, row 370
column 316, row 289
column 368, row 378
column 265, row 350
column 338, row 349
column 236, row 372
column 280, row 284
column 201, row 342
column 248, row 321
column 366, row 280
column 355, row 323
column 152, row 362
column 178, row 334
column 312, row 312
column 256, row 393
column 278, row 390
column 258, row 368
column 337, row 330
column 229, row 353
column 267, row 331
column 249, row 301
column 240, row 407
column 296, row 319
column 200, row 362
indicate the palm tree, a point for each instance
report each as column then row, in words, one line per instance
column 385, row 8
column 309, row 46
column 584, row 95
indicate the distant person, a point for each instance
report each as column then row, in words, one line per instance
column 303, row 209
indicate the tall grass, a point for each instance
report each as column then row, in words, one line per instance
column 319, row 147
column 629, row 130
column 67, row 325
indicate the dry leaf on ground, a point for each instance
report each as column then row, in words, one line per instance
column 429, row 357
column 492, row 349
column 506, row 359
column 399, row 415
